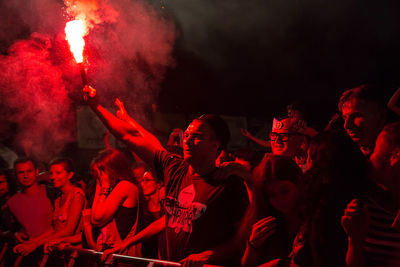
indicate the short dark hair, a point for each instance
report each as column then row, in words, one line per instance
column 365, row 92
column 67, row 162
column 219, row 127
column 24, row 160
column 392, row 131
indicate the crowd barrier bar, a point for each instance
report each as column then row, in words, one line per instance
column 75, row 252
column 120, row 257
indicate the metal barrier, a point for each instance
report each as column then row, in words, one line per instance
column 72, row 254
column 114, row 259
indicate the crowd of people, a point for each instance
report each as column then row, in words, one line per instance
column 329, row 198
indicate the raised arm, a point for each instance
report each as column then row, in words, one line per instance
column 140, row 141
column 105, row 206
column 261, row 142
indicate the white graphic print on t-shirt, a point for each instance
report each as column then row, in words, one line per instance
column 183, row 211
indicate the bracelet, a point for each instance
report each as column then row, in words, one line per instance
column 105, row 191
column 251, row 244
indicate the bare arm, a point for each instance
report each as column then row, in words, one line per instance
column 140, row 141
column 152, row 229
column 104, row 207
column 393, row 104
column 261, row 142
column 87, row 228
column 74, row 213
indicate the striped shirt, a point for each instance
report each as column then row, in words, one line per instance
column 382, row 243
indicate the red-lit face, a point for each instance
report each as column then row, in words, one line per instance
column 103, row 177
column 199, row 143
column 283, row 196
column 26, row 174
column 59, row 176
column 284, row 143
column 3, row 186
column 148, row 184
column 362, row 122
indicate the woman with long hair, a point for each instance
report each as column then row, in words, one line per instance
column 337, row 173
column 275, row 214
column 116, row 206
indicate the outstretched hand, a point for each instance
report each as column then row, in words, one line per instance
column 245, row 132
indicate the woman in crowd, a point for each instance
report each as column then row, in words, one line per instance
column 152, row 246
column 275, row 214
column 116, row 205
column 336, row 174
column 67, row 209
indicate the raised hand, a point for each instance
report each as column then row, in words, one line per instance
column 262, row 230
column 245, row 132
column 89, row 95
column 121, row 113
column 355, row 220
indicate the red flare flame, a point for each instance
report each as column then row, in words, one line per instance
column 75, row 30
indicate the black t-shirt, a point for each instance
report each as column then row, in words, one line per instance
column 201, row 213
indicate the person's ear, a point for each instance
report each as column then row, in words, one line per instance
column 395, row 157
column 70, row 175
column 37, row 171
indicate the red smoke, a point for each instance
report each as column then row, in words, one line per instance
column 34, row 96
column 127, row 52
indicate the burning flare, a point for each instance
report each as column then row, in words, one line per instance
column 75, row 30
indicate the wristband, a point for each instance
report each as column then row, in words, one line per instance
column 105, row 191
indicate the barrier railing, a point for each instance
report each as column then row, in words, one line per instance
column 114, row 259
column 71, row 255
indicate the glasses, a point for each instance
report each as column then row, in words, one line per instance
column 284, row 137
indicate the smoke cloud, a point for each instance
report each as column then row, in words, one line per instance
column 128, row 49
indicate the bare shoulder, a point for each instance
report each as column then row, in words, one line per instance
column 125, row 185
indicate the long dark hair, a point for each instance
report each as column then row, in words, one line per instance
column 115, row 164
column 338, row 172
column 271, row 168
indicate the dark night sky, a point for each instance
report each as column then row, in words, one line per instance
column 254, row 59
